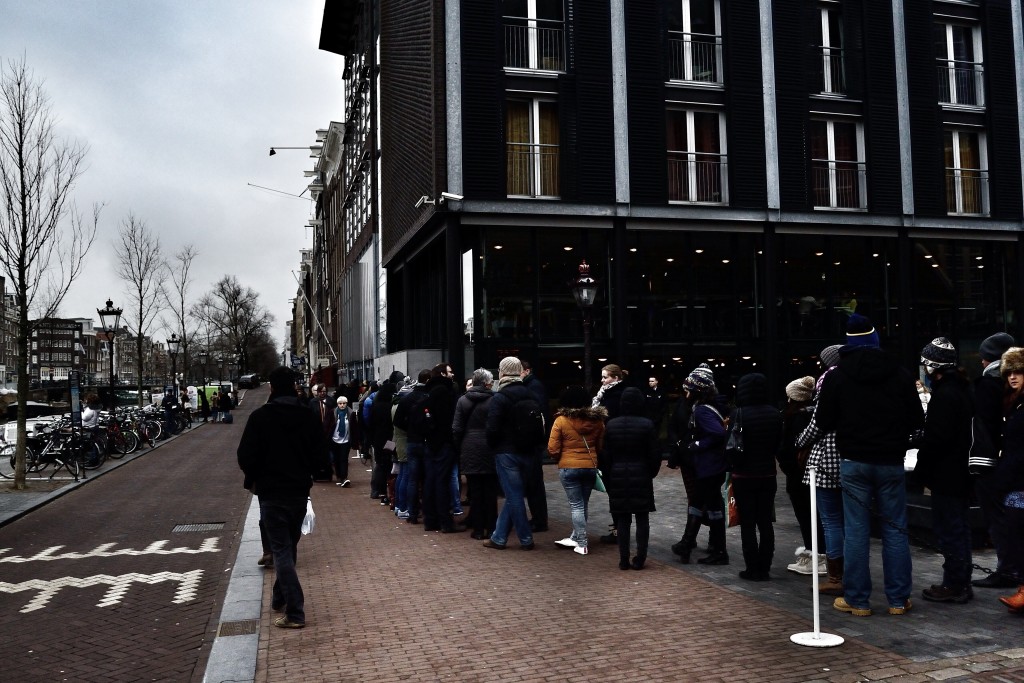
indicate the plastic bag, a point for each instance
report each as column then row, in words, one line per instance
column 309, row 521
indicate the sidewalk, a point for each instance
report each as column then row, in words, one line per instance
column 386, row 601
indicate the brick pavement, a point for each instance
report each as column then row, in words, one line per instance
column 387, row 601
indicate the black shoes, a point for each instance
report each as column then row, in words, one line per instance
column 638, row 563
column 940, row 593
column 624, row 564
column 716, row 557
column 751, row 575
column 995, row 580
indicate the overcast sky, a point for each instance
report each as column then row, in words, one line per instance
column 179, row 102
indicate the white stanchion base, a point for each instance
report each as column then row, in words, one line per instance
column 817, row 639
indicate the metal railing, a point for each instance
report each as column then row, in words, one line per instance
column 534, row 44
column 831, row 72
column 967, row 191
column 532, row 170
column 838, row 184
column 698, row 177
column 695, row 57
column 961, row 83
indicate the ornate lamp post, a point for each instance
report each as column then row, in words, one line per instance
column 203, row 355
column 110, row 318
column 584, row 290
column 172, row 348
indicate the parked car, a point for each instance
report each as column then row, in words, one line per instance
column 249, row 381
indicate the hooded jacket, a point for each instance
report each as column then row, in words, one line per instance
column 500, row 418
column 946, row 443
column 762, row 428
column 573, row 431
column 470, row 431
column 706, row 434
column 630, row 459
column 871, row 402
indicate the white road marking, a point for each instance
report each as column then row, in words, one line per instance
column 119, row 585
column 208, row 545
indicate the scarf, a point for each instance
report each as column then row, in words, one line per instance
column 341, row 425
column 505, row 381
column 600, row 393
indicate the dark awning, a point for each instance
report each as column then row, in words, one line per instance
column 338, row 30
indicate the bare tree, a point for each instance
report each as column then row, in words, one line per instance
column 140, row 264
column 43, row 238
column 180, row 277
column 237, row 315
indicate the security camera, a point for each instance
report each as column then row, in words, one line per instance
column 452, row 197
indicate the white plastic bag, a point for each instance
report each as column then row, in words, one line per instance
column 309, row 521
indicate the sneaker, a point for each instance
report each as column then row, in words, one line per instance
column 900, row 609
column 843, row 606
column 491, row 544
column 940, row 593
column 803, row 563
column 567, row 543
column 345, row 484
column 580, row 550
column 457, row 512
column 285, row 622
column 402, row 514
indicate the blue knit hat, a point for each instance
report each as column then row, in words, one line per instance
column 860, row 332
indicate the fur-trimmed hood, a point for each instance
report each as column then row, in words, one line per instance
column 1013, row 361
column 588, row 413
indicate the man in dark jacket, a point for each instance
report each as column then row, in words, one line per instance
column 513, row 462
column 323, row 408
column 942, row 467
column 281, row 447
column 536, row 494
column 409, row 417
column 871, row 402
column 988, row 396
column 440, row 459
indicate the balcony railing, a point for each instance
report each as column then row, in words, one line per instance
column 696, row 177
column 967, row 191
column 961, row 83
column 534, row 44
column 532, row 170
column 831, row 73
column 695, row 57
column 838, row 184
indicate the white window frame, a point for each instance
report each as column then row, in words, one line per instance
column 833, row 81
column 950, row 65
column 833, row 186
column 688, row 63
column 691, row 156
column 536, row 163
column 958, row 169
column 532, row 46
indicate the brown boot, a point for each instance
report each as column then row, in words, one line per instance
column 834, row 584
column 1015, row 602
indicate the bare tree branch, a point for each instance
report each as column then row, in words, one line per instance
column 237, row 316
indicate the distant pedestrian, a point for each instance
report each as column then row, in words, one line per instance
column 204, row 405
column 215, row 406
column 280, row 449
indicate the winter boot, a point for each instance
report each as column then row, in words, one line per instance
column 1015, row 602
column 718, row 554
column 689, row 540
column 834, row 584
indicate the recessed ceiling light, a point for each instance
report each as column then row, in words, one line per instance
column 699, row 251
column 567, row 248
column 498, row 246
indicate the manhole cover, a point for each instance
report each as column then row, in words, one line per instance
column 207, row 526
column 238, row 628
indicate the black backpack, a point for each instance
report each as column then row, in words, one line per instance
column 528, row 432
column 421, row 421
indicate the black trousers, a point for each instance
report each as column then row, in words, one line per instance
column 536, row 495
column 755, row 500
column 483, row 502
column 339, row 458
column 643, row 533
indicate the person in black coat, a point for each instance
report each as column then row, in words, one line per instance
column 469, row 430
column 942, row 467
column 381, row 431
column 753, row 472
column 441, row 457
column 629, row 462
column 536, row 493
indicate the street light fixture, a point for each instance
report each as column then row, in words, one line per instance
column 172, row 348
column 584, row 290
column 110, row 319
column 203, row 355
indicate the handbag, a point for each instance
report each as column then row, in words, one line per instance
column 599, row 483
column 734, row 442
column 309, row 521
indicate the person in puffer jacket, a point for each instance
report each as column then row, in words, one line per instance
column 753, row 472
column 577, row 436
column 629, row 462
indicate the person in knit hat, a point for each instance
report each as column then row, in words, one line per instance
column 793, row 463
column 988, row 396
column 942, row 467
column 701, row 381
column 1009, row 473
column 512, row 460
column 829, row 355
column 871, row 403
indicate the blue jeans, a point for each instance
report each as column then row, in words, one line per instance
column 953, row 532
column 513, row 469
column 456, row 505
column 282, row 519
column 830, row 511
column 885, row 487
column 578, row 482
column 401, row 495
column 414, row 453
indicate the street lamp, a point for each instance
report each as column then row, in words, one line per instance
column 203, row 355
column 172, row 348
column 110, row 318
column 584, row 290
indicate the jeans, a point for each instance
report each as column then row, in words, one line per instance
column 438, row 464
column 513, row 469
column 830, row 512
column 414, row 453
column 953, row 533
column 578, row 482
column 339, row 458
column 401, row 495
column 282, row 518
column 755, row 499
column 456, row 490
column 885, row 486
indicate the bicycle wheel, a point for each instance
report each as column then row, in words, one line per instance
column 151, row 430
column 7, row 456
column 124, row 442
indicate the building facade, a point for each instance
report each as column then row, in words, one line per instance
column 740, row 177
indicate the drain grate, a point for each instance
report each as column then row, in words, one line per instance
column 238, row 628
column 208, row 526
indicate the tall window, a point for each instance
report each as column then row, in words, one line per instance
column 531, row 136
column 697, row 159
column 695, row 41
column 534, row 34
column 837, row 166
column 966, row 172
column 960, row 67
column 831, row 74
